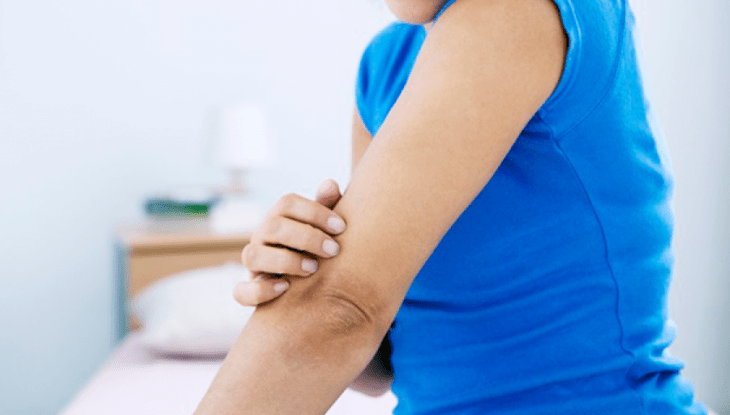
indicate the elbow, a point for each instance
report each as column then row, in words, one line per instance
column 334, row 315
column 346, row 306
column 329, row 324
column 344, row 313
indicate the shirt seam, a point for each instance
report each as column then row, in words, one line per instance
column 608, row 88
column 606, row 251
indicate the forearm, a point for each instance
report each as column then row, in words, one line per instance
column 295, row 356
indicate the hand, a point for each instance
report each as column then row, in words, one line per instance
column 294, row 234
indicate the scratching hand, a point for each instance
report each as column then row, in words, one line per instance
column 294, row 235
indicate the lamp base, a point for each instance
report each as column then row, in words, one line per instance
column 236, row 214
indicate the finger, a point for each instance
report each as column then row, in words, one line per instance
column 328, row 193
column 259, row 291
column 263, row 259
column 310, row 212
column 298, row 236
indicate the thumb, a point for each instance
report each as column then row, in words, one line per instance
column 328, row 193
column 259, row 290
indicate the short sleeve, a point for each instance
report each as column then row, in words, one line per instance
column 384, row 68
column 596, row 34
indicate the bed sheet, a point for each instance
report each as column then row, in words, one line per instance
column 134, row 381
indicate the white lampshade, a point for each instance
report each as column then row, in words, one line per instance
column 243, row 139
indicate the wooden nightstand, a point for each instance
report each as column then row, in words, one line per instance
column 153, row 249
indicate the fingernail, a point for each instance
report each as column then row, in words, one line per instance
column 309, row 265
column 324, row 186
column 280, row 287
column 330, row 247
column 336, row 224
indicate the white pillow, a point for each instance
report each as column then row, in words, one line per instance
column 192, row 313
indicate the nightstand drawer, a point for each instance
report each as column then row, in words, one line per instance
column 150, row 265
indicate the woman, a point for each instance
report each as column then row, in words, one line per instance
column 513, row 211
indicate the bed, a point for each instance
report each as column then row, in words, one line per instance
column 135, row 379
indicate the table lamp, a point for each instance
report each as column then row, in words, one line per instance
column 242, row 143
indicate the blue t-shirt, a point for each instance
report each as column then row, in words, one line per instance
column 548, row 294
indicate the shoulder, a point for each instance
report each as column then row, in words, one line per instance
column 484, row 35
column 599, row 40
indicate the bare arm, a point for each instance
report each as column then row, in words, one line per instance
column 376, row 378
column 483, row 71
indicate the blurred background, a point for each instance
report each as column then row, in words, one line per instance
column 104, row 104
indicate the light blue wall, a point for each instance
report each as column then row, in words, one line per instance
column 105, row 102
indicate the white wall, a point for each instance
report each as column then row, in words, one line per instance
column 105, row 102
column 687, row 60
column 102, row 103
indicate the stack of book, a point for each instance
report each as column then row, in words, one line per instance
column 182, row 204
